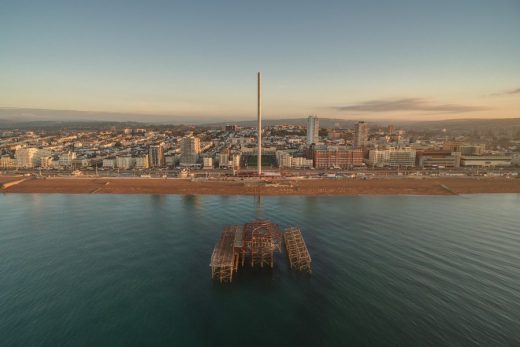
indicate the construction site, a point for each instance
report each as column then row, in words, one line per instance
column 254, row 244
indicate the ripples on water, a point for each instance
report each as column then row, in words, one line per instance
column 133, row 269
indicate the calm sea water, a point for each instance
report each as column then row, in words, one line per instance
column 88, row 270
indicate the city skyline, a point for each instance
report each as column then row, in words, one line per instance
column 351, row 60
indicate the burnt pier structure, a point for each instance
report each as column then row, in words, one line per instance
column 254, row 244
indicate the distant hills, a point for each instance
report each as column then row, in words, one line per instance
column 42, row 118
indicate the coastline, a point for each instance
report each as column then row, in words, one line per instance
column 304, row 187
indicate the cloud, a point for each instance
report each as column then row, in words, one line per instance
column 408, row 104
column 508, row 92
column 513, row 92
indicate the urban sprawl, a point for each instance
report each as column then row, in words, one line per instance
column 288, row 150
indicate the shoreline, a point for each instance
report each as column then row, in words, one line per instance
column 305, row 187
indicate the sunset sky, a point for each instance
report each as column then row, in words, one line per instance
column 348, row 59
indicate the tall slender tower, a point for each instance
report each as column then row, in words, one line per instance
column 259, row 125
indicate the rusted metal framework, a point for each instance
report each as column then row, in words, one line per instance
column 299, row 257
column 253, row 243
column 223, row 262
column 260, row 240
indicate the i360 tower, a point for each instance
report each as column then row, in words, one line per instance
column 259, row 163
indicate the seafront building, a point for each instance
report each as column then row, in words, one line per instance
column 486, row 160
column 438, row 159
column 25, row 157
column 142, row 162
column 392, row 157
column 190, row 150
column 232, row 150
column 326, row 157
column 156, row 155
column 125, row 162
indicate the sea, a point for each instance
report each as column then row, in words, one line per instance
column 133, row 270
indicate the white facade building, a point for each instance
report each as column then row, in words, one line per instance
column 207, row 162
column 313, row 129
column 65, row 159
column 125, row 162
column 109, row 163
column 190, row 150
column 25, row 157
column 394, row 157
column 142, row 162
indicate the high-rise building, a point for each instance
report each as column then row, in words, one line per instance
column 156, row 156
column 360, row 134
column 190, row 150
column 223, row 160
column 25, row 157
column 313, row 129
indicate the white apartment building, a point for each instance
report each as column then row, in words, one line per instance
column 301, row 163
column 109, row 163
column 125, row 162
column 223, row 158
column 142, row 162
column 235, row 161
column 394, row 157
column 25, row 157
column 6, row 162
column 190, row 150
column 65, row 159
column 207, row 162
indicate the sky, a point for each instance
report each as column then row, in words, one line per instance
column 395, row 59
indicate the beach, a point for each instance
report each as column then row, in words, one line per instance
column 308, row 187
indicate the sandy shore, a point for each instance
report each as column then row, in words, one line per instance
column 376, row 186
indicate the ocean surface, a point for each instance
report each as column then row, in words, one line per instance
column 123, row 270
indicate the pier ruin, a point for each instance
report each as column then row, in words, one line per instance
column 255, row 244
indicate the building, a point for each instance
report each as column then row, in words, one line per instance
column 6, row 162
column 65, row 159
column 485, row 160
column 301, row 163
column 223, row 158
column 438, row 159
column 125, row 162
column 325, row 157
column 360, row 135
column 231, row 127
column 156, row 155
column 190, row 150
column 378, row 157
column 142, row 162
column 283, row 159
column 313, row 129
column 463, row 148
column 109, row 163
column 515, row 159
column 207, row 162
column 25, row 157
column 46, row 162
column 394, row 157
column 235, row 161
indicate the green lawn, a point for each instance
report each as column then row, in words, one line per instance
column 267, row 160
